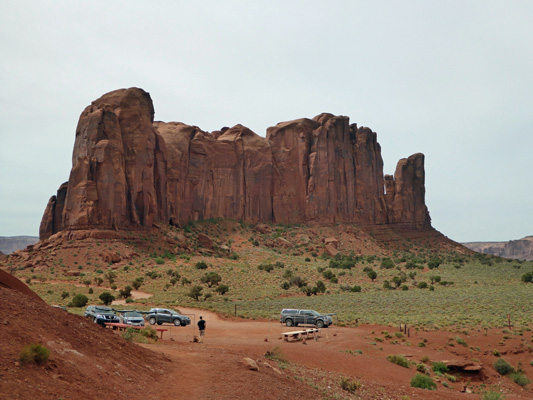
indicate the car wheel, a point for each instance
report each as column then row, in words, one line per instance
column 289, row 322
column 95, row 320
column 159, row 322
column 152, row 321
column 177, row 322
column 183, row 324
column 319, row 323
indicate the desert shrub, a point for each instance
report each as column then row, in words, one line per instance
column 276, row 355
column 490, row 395
column 398, row 280
column 126, row 292
column 399, row 360
column 412, row 265
column 349, row 385
column 34, row 353
column 128, row 301
column 503, row 367
column 519, row 379
column 387, row 263
column 321, row 287
column 288, row 273
column 195, row 292
column 285, row 285
column 149, row 333
column 211, row 278
column 372, row 274
column 64, row 295
column 137, row 282
column 421, row 368
column 106, row 298
column 159, row 260
column 439, row 367
column 265, row 267
column 222, row 289
column 328, row 274
column 79, row 300
column 460, row 341
column 298, row 281
column 387, row 285
column 356, row 289
column 423, row 382
column 152, row 274
column 422, row 285
column 434, row 263
column 201, row 265
column 527, row 277
column 345, row 288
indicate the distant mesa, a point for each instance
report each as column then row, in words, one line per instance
column 131, row 172
column 9, row 244
column 521, row 249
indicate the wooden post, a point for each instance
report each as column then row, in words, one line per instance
column 509, row 320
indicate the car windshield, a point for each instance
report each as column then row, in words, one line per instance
column 132, row 315
column 103, row 309
column 316, row 314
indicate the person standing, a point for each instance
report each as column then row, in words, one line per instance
column 201, row 328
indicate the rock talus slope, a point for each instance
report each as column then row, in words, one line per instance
column 130, row 172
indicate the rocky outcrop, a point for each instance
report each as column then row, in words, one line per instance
column 521, row 249
column 130, row 172
column 405, row 193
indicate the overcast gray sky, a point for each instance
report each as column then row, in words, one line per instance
column 451, row 79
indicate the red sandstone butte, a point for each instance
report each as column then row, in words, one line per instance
column 131, row 172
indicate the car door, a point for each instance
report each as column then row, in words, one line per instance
column 308, row 317
column 166, row 316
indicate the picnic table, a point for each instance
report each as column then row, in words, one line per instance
column 123, row 327
column 302, row 334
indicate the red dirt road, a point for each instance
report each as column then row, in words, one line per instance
column 208, row 365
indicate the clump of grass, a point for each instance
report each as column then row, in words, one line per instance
column 503, row 367
column 460, row 341
column 439, row 367
column 421, row 368
column 490, row 395
column 520, row 379
column 34, row 353
column 423, row 382
column 349, row 385
column 276, row 355
column 399, row 360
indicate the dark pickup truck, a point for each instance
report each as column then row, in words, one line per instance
column 291, row 317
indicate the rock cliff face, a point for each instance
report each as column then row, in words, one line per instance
column 521, row 249
column 129, row 172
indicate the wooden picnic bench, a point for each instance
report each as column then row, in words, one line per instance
column 305, row 333
column 123, row 327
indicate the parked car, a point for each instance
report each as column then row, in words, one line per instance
column 132, row 318
column 292, row 317
column 162, row 315
column 101, row 314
